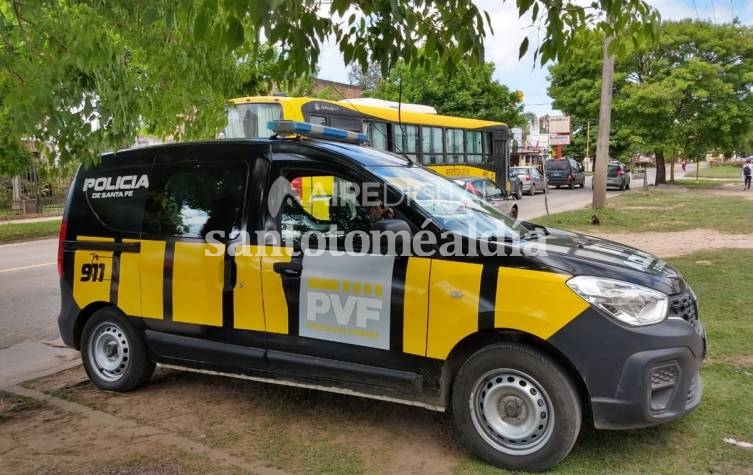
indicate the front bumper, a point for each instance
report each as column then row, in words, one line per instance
column 655, row 386
column 635, row 377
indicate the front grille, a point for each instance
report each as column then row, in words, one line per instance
column 684, row 306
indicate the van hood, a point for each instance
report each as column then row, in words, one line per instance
column 580, row 254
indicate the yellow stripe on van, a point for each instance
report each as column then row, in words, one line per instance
column 152, row 258
column 453, row 305
column 416, row 306
column 535, row 302
column 129, row 282
column 275, row 304
column 197, row 284
column 248, row 308
column 95, row 287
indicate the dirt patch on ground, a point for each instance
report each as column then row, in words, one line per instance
column 291, row 429
column 736, row 360
column 679, row 243
column 48, row 440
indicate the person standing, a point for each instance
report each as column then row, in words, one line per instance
column 747, row 172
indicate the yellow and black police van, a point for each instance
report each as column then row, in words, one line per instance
column 251, row 258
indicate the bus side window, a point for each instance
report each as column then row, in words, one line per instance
column 406, row 140
column 454, row 146
column 431, row 146
column 488, row 148
column 377, row 132
column 475, row 145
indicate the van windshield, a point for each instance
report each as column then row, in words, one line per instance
column 450, row 206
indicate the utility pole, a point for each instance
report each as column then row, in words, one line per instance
column 605, row 119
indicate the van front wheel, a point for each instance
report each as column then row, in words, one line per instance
column 113, row 353
column 515, row 408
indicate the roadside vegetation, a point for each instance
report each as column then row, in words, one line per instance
column 662, row 211
column 28, row 231
column 722, row 171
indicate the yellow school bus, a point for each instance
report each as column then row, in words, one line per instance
column 452, row 146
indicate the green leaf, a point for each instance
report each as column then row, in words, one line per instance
column 523, row 49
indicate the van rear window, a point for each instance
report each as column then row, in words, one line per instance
column 558, row 165
column 116, row 196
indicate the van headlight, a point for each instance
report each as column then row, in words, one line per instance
column 629, row 303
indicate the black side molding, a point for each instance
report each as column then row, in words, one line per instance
column 134, row 247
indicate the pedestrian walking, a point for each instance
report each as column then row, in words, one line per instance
column 684, row 164
column 747, row 172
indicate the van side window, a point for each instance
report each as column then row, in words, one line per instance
column 321, row 203
column 192, row 200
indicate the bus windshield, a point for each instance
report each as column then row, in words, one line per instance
column 451, row 207
column 250, row 120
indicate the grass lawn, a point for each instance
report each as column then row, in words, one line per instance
column 662, row 210
column 28, row 231
column 703, row 183
column 695, row 443
column 722, row 171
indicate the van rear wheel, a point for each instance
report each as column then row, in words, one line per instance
column 515, row 408
column 113, row 353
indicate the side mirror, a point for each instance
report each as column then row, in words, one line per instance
column 394, row 236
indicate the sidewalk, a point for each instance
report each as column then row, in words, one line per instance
column 34, row 359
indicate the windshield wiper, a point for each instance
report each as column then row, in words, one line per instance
column 535, row 231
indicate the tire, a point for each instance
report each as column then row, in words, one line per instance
column 521, row 378
column 114, row 355
column 622, row 186
column 532, row 191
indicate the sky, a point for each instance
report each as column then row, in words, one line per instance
column 524, row 75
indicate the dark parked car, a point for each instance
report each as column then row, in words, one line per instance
column 565, row 172
column 618, row 176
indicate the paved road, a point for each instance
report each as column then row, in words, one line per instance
column 29, row 292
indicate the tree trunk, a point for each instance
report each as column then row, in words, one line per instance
column 605, row 121
column 661, row 171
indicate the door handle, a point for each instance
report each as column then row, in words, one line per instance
column 288, row 269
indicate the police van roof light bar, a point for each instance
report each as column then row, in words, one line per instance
column 315, row 131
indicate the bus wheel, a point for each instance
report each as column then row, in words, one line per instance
column 113, row 353
column 515, row 408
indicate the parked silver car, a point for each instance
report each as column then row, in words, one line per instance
column 491, row 192
column 531, row 179
column 618, row 176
